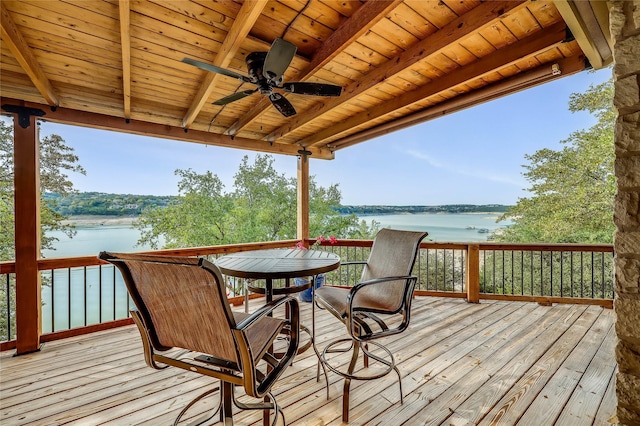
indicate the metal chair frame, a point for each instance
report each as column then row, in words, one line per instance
column 254, row 371
column 364, row 323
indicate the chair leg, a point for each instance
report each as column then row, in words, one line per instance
column 347, row 381
column 345, row 400
column 399, row 382
column 202, row 419
column 365, row 356
column 226, row 414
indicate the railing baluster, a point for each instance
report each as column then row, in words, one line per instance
column 512, row 270
column 561, row 273
column 53, row 303
column 592, row 276
column 69, row 297
column 84, row 287
column 114, row 296
column 100, row 297
column 9, row 333
column 541, row 281
column 581, row 274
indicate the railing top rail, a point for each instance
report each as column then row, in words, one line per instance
column 71, row 262
column 607, row 248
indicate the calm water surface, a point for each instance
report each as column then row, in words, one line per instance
column 91, row 240
column 89, row 295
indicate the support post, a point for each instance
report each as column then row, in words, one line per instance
column 27, row 236
column 302, row 230
column 473, row 273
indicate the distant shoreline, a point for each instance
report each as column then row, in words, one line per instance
column 93, row 220
column 99, row 220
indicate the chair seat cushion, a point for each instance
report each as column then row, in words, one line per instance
column 260, row 334
column 335, row 300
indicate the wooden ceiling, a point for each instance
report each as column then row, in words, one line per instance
column 117, row 64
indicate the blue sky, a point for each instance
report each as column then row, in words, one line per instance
column 474, row 156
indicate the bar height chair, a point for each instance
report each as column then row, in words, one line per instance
column 383, row 296
column 185, row 321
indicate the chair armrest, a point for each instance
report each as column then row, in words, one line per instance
column 354, row 262
column 351, row 319
column 264, row 311
column 363, row 284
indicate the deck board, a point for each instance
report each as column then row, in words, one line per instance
column 492, row 363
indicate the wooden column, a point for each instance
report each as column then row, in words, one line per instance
column 303, row 197
column 27, row 234
column 473, row 273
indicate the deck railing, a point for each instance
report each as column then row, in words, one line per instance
column 84, row 294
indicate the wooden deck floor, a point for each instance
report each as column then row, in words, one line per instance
column 498, row 363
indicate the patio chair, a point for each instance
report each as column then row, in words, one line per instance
column 185, row 321
column 378, row 306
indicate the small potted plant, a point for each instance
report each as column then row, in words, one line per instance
column 307, row 295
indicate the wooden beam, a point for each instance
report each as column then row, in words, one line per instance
column 13, row 39
column 27, row 236
column 125, row 43
column 107, row 122
column 244, row 21
column 527, row 47
column 535, row 77
column 359, row 23
column 481, row 16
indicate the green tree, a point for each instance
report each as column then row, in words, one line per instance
column 573, row 188
column 261, row 207
column 56, row 158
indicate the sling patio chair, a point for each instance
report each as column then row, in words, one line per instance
column 378, row 306
column 185, row 321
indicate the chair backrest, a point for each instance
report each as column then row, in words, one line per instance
column 393, row 254
column 182, row 302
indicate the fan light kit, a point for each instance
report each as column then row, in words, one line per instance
column 266, row 70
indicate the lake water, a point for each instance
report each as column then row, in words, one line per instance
column 81, row 296
column 464, row 227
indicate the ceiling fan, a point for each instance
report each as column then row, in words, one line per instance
column 266, row 71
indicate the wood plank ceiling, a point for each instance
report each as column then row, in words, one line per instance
column 117, row 64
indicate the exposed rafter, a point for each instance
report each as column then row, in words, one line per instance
column 529, row 46
column 247, row 16
column 359, row 23
column 15, row 41
column 125, row 42
column 481, row 16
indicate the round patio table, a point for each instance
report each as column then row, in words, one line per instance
column 277, row 264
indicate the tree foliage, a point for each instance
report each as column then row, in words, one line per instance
column 573, row 188
column 56, row 158
column 260, row 207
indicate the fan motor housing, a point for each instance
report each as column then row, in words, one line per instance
column 255, row 64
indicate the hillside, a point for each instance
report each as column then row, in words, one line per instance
column 102, row 204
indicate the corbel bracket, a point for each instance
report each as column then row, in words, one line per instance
column 24, row 113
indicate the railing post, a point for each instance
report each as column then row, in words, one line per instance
column 473, row 273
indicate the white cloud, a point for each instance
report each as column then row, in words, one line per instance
column 478, row 173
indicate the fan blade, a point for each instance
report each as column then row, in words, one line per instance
column 234, row 97
column 217, row 70
column 282, row 104
column 278, row 59
column 316, row 89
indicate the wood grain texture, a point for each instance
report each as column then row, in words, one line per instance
column 123, row 59
column 461, row 363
